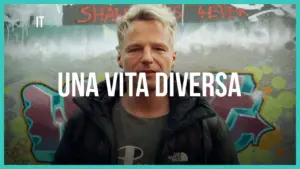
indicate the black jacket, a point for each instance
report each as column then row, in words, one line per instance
column 193, row 128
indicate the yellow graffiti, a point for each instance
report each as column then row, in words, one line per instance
column 254, row 155
column 257, row 72
column 270, row 140
column 100, row 77
column 267, row 70
column 7, row 90
column 17, row 126
column 262, row 156
column 279, row 83
column 286, row 99
column 271, row 109
column 246, row 156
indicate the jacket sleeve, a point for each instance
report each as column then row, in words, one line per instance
column 63, row 154
column 223, row 149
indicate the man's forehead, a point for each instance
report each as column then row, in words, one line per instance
column 141, row 31
column 145, row 23
column 146, row 27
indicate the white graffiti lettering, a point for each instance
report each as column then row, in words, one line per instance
column 254, row 18
column 290, row 10
column 248, row 6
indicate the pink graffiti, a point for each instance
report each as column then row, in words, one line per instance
column 46, row 117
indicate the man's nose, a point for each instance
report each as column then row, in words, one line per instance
column 147, row 57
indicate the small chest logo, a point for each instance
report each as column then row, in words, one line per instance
column 130, row 155
column 179, row 157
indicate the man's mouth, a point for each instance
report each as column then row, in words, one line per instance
column 147, row 71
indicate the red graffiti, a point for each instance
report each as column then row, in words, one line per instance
column 107, row 13
column 101, row 14
column 177, row 9
column 226, row 11
column 248, row 124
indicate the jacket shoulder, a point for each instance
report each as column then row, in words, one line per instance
column 216, row 124
column 223, row 149
column 217, row 129
column 73, row 128
column 75, row 123
column 76, row 115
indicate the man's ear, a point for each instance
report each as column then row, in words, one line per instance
column 120, row 62
column 173, row 59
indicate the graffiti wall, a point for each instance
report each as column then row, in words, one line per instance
column 258, row 41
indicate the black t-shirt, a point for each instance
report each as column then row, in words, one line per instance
column 137, row 138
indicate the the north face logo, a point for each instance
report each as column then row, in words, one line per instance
column 179, row 157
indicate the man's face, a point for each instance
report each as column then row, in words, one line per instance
column 147, row 48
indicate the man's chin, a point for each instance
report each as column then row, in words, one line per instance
column 151, row 87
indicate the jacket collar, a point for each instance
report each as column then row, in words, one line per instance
column 182, row 109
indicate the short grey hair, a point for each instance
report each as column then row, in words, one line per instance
column 161, row 13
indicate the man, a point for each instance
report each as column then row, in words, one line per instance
column 145, row 130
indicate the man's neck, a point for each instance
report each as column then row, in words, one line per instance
column 146, row 106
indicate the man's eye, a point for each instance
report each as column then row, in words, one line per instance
column 159, row 49
column 134, row 50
